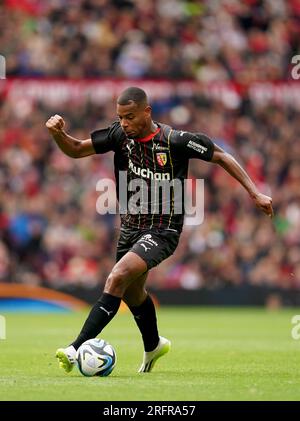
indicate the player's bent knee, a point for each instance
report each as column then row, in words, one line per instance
column 124, row 273
column 118, row 281
column 116, row 284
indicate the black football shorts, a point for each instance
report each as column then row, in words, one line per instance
column 152, row 245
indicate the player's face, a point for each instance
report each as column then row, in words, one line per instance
column 135, row 120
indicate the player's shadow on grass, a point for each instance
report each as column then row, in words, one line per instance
column 135, row 375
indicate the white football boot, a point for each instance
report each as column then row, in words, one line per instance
column 66, row 358
column 151, row 357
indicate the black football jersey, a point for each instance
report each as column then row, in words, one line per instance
column 154, row 170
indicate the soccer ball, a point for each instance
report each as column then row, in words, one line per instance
column 96, row 357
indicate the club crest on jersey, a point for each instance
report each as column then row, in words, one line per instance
column 161, row 158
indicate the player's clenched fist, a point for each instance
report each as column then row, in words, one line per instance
column 55, row 124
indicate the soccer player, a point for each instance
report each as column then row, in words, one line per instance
column 150, row 152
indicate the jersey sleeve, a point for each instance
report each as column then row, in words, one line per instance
column 105, row 140
column 193, row 145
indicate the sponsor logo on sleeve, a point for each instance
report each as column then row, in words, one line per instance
column 197, row 147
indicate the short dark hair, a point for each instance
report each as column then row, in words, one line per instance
column 133, row 94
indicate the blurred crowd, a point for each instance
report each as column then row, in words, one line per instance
column 207, row 40
column 50, row 231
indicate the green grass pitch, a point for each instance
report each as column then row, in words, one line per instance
column 217, row 354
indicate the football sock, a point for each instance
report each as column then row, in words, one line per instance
column 101, row 314
column 145, row 318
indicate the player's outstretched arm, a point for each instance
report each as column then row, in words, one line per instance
column 69, row 145
column 229, row 163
